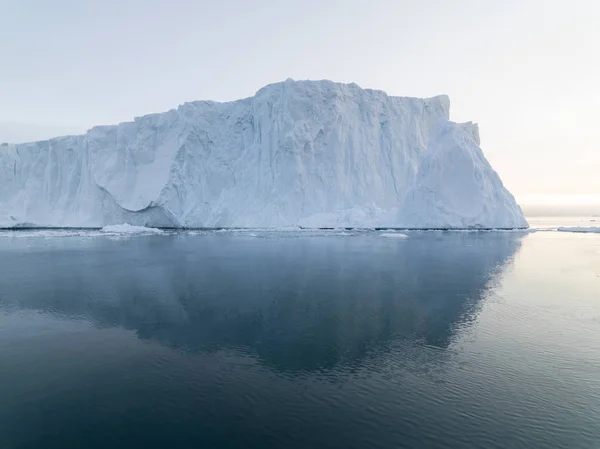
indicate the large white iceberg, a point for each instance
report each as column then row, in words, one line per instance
column 309, row 153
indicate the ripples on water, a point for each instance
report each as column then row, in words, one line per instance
column 228, row 340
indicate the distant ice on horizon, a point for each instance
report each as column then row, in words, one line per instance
column 592, row 230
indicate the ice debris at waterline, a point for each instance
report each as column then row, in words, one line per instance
column 129, row 229
column 591, row 230
column 298, row 153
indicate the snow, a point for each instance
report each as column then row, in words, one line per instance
column 593, row 230
column 298, row 153
column 129, row 229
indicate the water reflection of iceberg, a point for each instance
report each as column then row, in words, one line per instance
column 297, row 303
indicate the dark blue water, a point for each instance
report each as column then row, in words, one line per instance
column 441, row 340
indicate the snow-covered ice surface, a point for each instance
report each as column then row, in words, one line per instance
column 298, row 153
column 593, row 230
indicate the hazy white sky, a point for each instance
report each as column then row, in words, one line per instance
column 528, row 71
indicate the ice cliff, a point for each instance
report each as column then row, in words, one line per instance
column 309, row 153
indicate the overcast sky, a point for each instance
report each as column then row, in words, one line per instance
column 528, row 71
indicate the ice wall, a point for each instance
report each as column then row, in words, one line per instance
column 312, row 153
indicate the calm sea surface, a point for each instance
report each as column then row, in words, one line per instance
column 300, row 340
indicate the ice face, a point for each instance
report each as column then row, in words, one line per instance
column 308, row 153
column 456, row 186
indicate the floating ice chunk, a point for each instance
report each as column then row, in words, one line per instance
column 394, row 235
column 592, row 230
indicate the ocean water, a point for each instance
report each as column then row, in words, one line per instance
column 340, row 339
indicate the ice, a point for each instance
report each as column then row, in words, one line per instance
column 298, row 153
column 48, row 233
column 396, row 235
column 129, row 229
column 594, row 230
column 456, row 186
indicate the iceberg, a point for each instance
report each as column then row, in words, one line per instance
column 456, row 186
column 297, row 153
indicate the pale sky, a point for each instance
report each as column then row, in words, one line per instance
column 528, row 71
